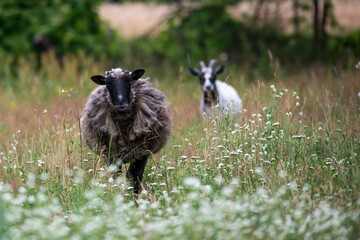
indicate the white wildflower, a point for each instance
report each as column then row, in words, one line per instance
column 292, row 186
column 298, row 136
column 192, row 182
column 282, row 174
column 30, row 181
column 40, row 163
column 219, row 179
column 258, row 170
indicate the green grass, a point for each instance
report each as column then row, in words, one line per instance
column 288, row 169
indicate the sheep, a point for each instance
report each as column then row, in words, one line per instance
column 126, row 120
column 216, row 92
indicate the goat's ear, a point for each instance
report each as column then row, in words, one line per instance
column 98, row 79
column 194, row 71
column 219, row 69
column 135, row 75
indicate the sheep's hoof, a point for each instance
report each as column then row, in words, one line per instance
column 137, row 191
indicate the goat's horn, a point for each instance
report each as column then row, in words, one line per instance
column 202, row 64
column 212, row 62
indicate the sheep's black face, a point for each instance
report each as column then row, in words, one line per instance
column 118, row 84
column 119, row 89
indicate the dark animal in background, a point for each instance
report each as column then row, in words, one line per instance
column 215, row 91
column 43, row 45
column 126, row 120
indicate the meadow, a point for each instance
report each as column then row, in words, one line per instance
column 288, row 169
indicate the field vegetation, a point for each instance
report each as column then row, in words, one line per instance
column 288, row 169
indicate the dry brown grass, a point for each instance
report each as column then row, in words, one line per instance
column 318, row 90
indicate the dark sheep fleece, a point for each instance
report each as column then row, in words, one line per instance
column 131, row 135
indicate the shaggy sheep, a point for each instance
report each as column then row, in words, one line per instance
column 215, row 91
column 126, row 120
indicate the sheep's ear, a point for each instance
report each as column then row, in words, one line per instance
column 98, row 79
column 135, row 75
column 194, row 71
column 219, row 69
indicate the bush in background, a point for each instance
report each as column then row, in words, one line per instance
column 61, row 26
column 201, row 31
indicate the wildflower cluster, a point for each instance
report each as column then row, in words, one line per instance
column 227, row 215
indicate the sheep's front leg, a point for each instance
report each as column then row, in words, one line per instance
column 135, row 173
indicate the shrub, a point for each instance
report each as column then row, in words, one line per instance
column 66, row 26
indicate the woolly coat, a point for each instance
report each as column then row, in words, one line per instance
column 129, row 135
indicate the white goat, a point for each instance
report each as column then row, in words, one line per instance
column 216, row 92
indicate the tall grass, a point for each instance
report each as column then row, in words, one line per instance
column 288, row 169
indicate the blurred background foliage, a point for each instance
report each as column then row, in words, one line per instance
column 195, row 30
column 62, row 26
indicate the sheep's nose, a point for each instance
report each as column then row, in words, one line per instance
column 121, row 103
column 121, row 99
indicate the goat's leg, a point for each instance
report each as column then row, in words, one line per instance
column 135, row 173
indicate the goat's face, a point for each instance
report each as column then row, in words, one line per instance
column 118, row 83
column 207, row 76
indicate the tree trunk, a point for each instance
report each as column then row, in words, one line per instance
column 325, row 14
column 296, row 19
column 316, row 26
column 257, row 11
column 320, row 19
